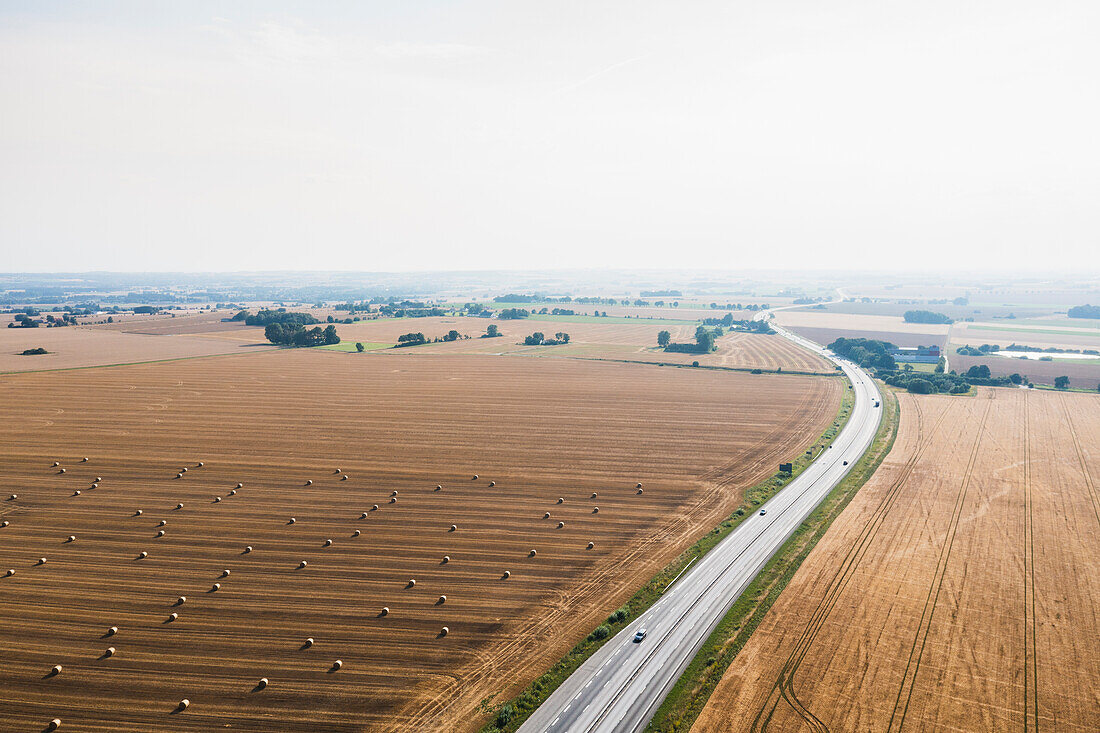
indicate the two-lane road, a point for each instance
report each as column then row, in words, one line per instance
column 621, row 686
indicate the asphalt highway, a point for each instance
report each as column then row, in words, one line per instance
column 621, row 686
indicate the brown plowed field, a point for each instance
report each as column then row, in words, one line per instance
column 540, row 428
column 957, row 592
column 1082, row 376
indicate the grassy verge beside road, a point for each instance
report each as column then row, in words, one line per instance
column 510, row 715
column 690, row 693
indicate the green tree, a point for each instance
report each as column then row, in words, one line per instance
column 1061, row 382
column 492, row 331
column 921, row 386
column 359, row 346
column 562, row 336
column 663, row 338
column 1015, row 378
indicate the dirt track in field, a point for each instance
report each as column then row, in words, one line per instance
column 540, row 428
column 958, row 591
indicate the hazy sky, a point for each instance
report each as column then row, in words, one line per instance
column 437, row 135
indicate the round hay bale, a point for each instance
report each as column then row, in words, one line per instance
column 172, row 617
column 56, row 464
column 217, row 499
column 56, row 669
column 72, row 538
column 13, row 497
column 262, row 683
column 492, row 484
column 109, row 651
column 162, row 522
column 363, row 515
column 507, row 574
column 374, row 508
column 393, row 499
column 181, row 600
column 439, row 487
column 138, row 513
column 453, row 528
column 474, row 478
column 337, row 664
column 76, row 493
column 385, row 611
column 594, row 495
column 94, row 486
column 54, row 724
column 142, row 555
column 302, row 564
column 200, row 464
column 442, row 600
column 411, row 583
column 637, row 486
column 532, row 553
column 240, row 485
column 561, row 525
column 393, row 493
column 179, row 506
column 355, row 533
column 336, row 472
column 595, row 510
column 160, row 533
column 248, row 549
column 61, row 470
column 41, row 561
column 546, row 515
column 112, row 631
column 83, row 460
column 183, row 470
column 309, row 482
column 292, row 520
column 225, row 574
column 232, row 492
column 184, row 704
column 308, row 642
column 561, row 500
column 10, row 572
column 5, row 523
column 179, row 475
column 344, row 477
column 444, row 631
column 98, row 479
column 328, row 543
column 446, row 559
column 216, row 587
column 591, row 545
column 639, row 491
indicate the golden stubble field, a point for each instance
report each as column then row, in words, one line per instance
column 958, row 591
column 542, row 436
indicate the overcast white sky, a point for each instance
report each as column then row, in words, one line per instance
column 411, row 135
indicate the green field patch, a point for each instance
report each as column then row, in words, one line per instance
column 611, row 319
column 1026, row 331
column 350, row 346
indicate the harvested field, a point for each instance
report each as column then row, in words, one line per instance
column 826, row 336
column 532, row 430
column 748, row 351
column 204, row 322
column 80, row 346
column 958, row 591
column 858, row 325
column 1083, row 376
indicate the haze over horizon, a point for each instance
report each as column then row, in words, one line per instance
column 488, row 135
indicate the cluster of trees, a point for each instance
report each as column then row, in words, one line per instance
column 661, row 294
column 1084, row 311
column 512, row 314
column 34, row 352
column 411, row 339
column 705, row 341
column 984, row 349
column 749, row 325
column 26, row 320
column 491, row 332
column 286, row 319
column 538, row 338
column 295, row 334
column 920, row 316
column 871, row 353
column 739, row 307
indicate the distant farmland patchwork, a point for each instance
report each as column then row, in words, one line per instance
column 542, row 436
column 958, row 591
